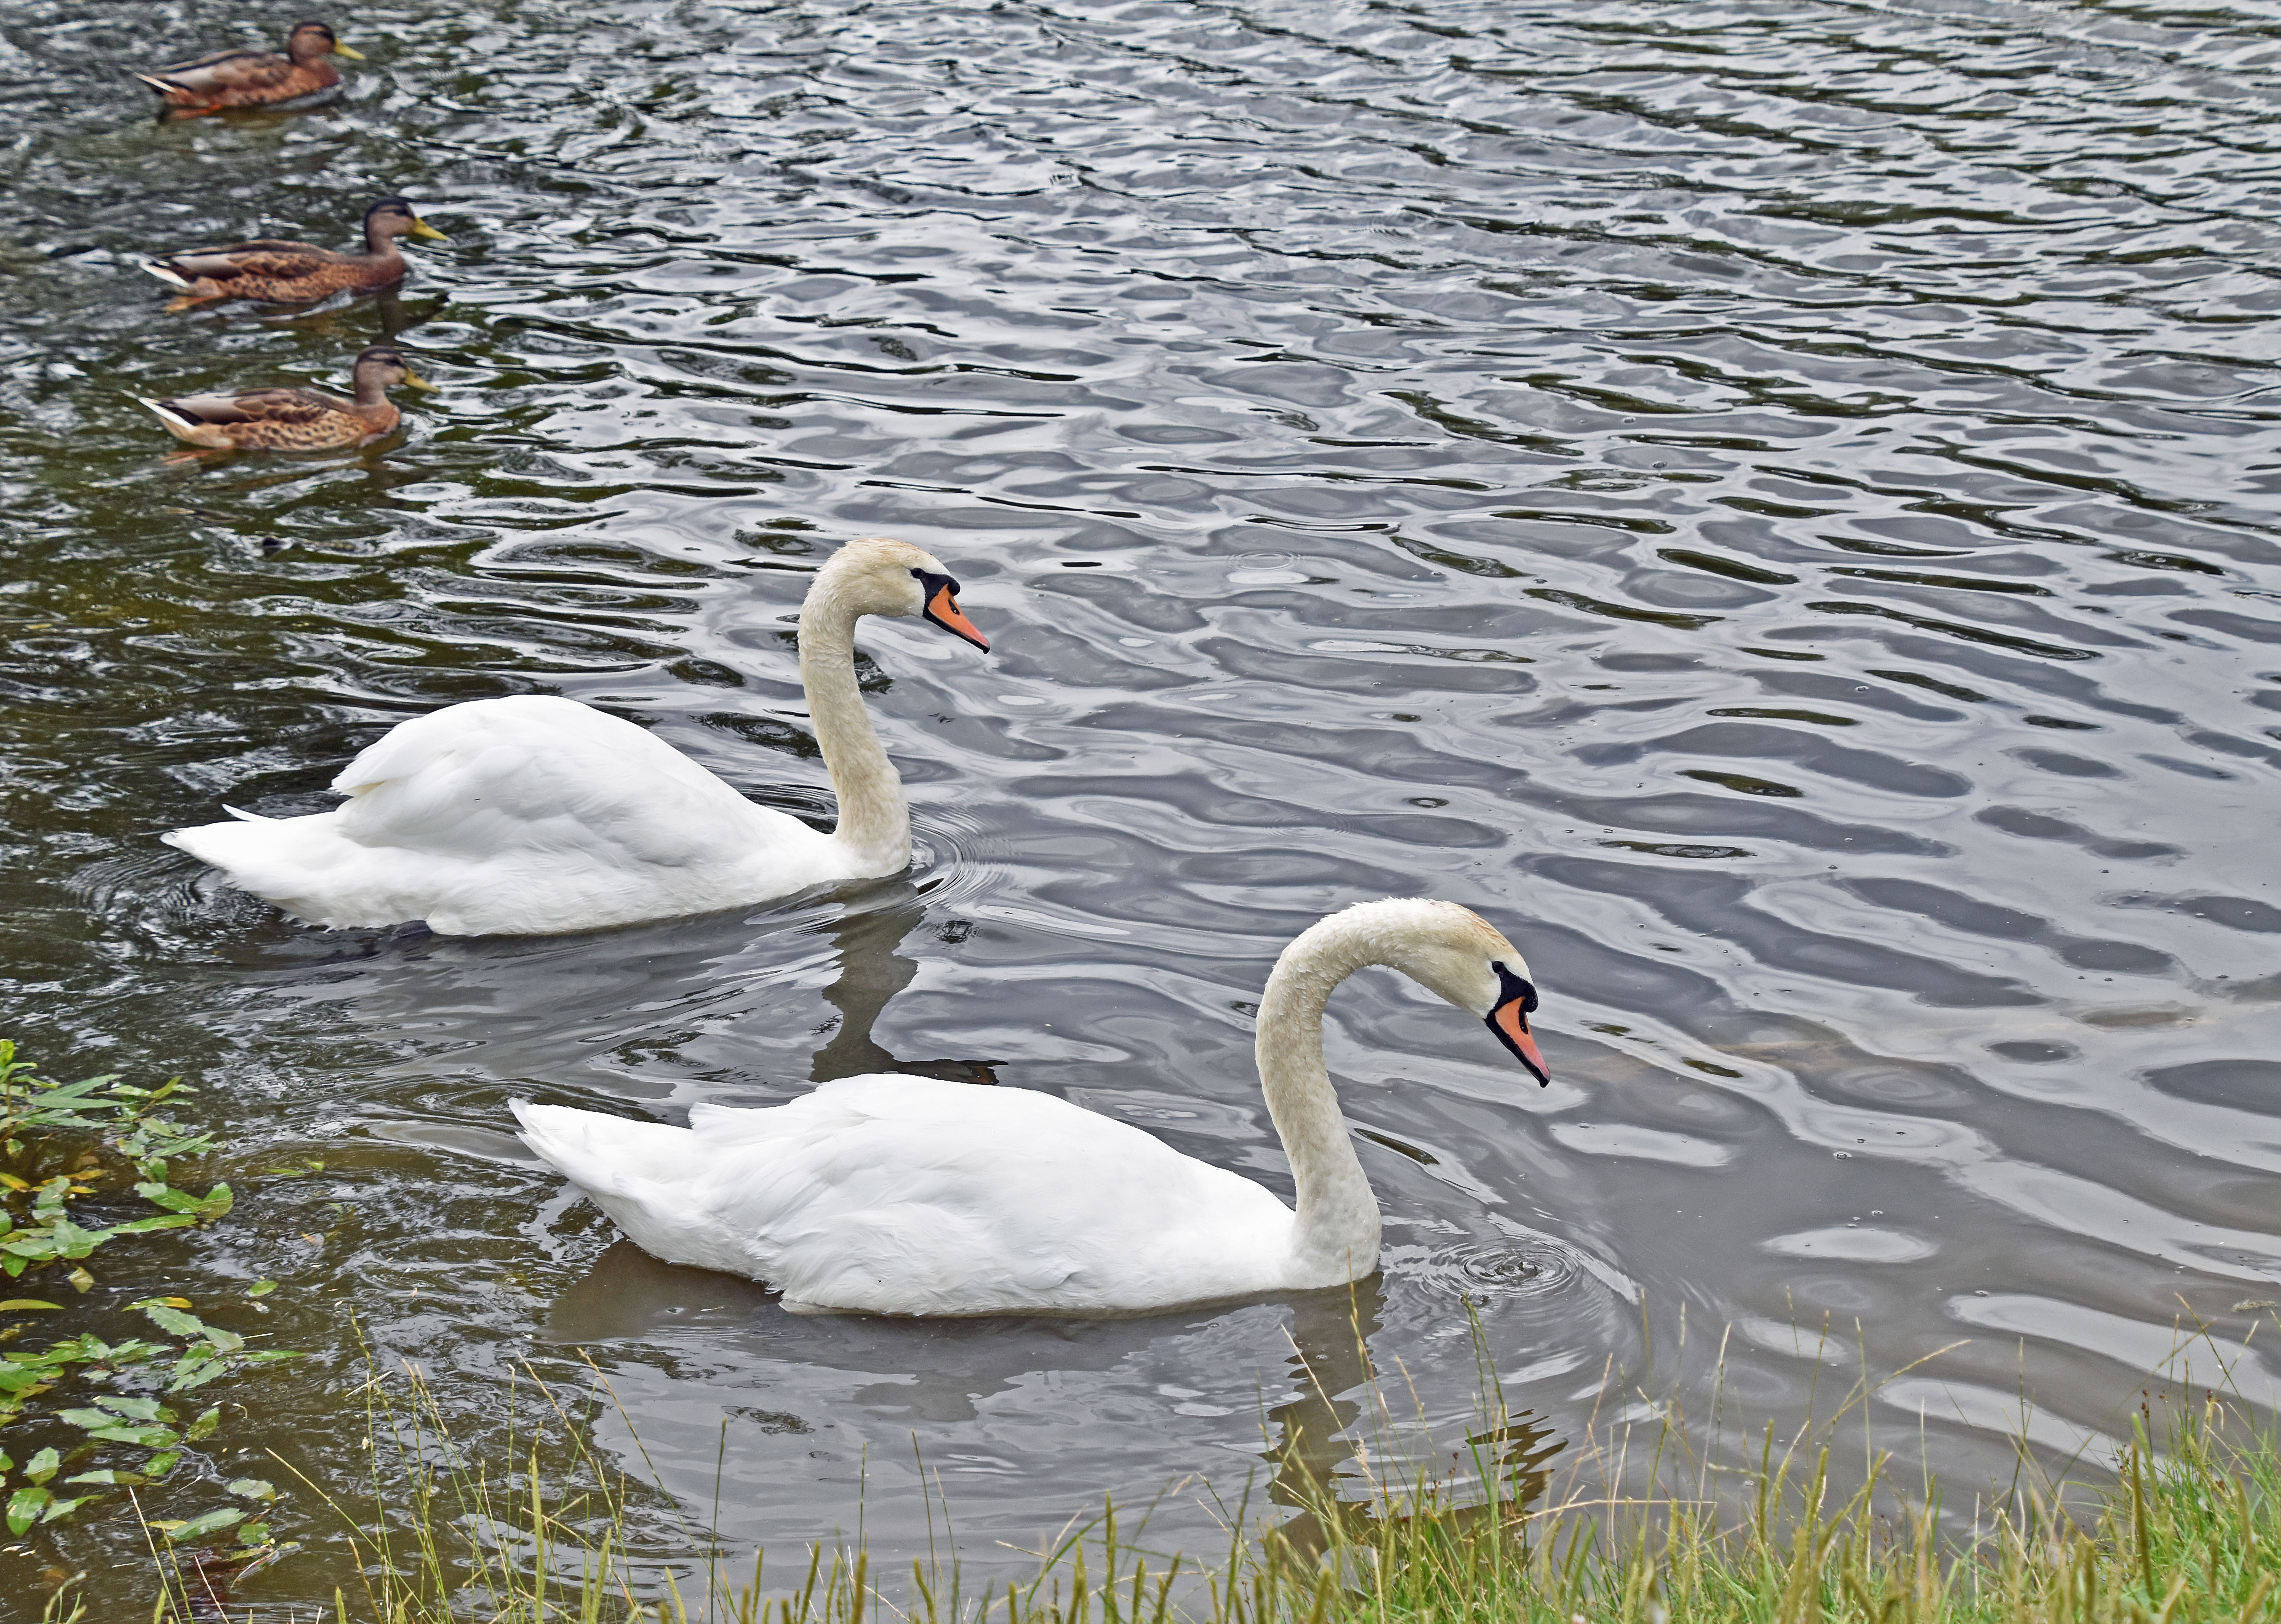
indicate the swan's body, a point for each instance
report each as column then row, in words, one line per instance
column 899, row 1194
column 533, row 816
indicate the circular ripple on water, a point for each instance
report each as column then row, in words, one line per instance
column 1481, row 1270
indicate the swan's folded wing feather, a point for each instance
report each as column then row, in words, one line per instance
column 913, row 1196
column 522, row 815
column 544, row 776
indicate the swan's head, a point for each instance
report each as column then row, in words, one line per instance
column 879, row 577
column 1453, row 951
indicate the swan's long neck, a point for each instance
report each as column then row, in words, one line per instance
column 875, row 819
column 1337, row 1236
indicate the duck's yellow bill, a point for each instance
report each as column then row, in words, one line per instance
column 350, row 52
column 421, row 228
column 417, row 381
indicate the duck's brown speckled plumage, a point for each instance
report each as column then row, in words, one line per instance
column 253, row 78
column 292, row 418
column 290, row 272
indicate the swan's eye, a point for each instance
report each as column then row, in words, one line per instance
column 1511, row 987
column 938, row 603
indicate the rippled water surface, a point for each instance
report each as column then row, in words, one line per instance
column 1773, row 504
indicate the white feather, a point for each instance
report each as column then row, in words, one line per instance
column 900, row 1195
column 897, row 1194
column 535, row 814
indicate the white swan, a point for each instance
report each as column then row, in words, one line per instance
column 530, row 816
column 899, row 1194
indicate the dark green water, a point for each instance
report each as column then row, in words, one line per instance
column 1772, row 504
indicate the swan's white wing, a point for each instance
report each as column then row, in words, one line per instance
column 523, row 815
column 910, row 1196
column 543, row 775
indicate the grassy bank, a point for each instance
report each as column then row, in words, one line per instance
column 2182, row 1529
column 2187, row 1529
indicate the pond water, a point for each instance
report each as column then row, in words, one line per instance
column 1772, row 504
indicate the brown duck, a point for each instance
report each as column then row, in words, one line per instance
column 292, row 418
column 254, row 78
column 287, row 273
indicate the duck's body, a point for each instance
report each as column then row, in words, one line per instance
column 899, row 1194
column 534, row 816
column 222, row 78
column 292, row 418
column 283, row 273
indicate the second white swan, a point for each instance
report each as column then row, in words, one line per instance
column 531, row 816
column 898, row 1194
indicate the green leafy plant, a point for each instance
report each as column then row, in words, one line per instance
column 71, row 1137
column 39, row 1118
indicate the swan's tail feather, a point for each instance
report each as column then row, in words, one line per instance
column 605, row 1156
column 250, row 818
column 304, row 866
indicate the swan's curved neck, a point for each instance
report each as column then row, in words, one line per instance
column 1337, row 1232
column 875, row 819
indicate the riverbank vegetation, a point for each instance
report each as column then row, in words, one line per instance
column 2179, row 1528
column 85, row 1420
column 2184, row 1528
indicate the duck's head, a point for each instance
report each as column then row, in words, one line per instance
column 1453, row 951
column 393, row 217
column 384, row 363
column 879, row 577
column 311, row 40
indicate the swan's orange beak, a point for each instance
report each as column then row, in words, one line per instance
column 1509, row 1021
column 942, row 608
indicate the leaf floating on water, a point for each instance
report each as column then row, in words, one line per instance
column 198, row 1527
column 167, row 1317
column 136, row 1408
column 24, row 1508
column 43, row 1466
column 253, row 1489
column 142, row 1437
column 260, row 1288
column 13, row 1302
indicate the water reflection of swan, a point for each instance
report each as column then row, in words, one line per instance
column 871, row 973
column 900, row 1194
column 774, row 1373
column 534, row 815
column 1330, row 1340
